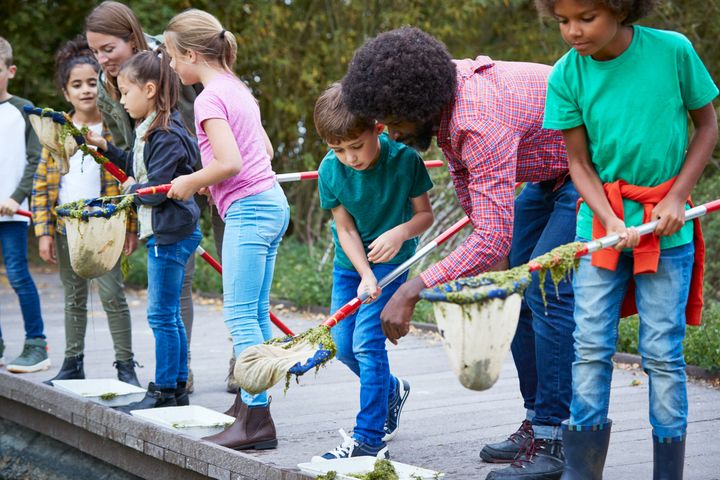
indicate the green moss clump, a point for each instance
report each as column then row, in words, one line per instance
column 383, row 470
column 331, row 475
column 559, row 262
column 108, row 396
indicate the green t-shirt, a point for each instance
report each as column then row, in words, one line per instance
column 378, row 198
column 635, row 109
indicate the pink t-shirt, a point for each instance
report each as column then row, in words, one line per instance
column 226, row 97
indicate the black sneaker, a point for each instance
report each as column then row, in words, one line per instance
column 353, row 448
column 395, row 406
column 506, row 451
column 539, row 459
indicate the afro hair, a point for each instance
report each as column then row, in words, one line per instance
column 403, row 74
column 633, row 10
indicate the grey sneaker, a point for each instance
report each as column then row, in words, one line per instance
column 33, row 358
column 2, row 352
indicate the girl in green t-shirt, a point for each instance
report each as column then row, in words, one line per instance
column 621, row 96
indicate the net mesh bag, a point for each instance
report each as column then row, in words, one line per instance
column 95, row 233
column 56, row 139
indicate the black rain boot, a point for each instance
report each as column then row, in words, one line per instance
column 72, row 369
column 126, row 371
column 585, row 451
column 154, row 398
column 668, row 458
column 181, row 395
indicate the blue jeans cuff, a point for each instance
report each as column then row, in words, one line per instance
column 547, row 432
column 529, row 415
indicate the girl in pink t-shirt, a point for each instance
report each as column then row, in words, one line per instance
column 236, row 155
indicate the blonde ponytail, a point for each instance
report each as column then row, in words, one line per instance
column 202, row 33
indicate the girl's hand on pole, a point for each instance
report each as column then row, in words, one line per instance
column 387, row 245
column 9, row 207
column 131, row 243
column 183, row 187
column 671, row 213
column 368, row 285
column 127, row 184
column 46, row 249
column 96, row 139
column 629, row 237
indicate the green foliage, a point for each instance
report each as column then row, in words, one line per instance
column 303, row 273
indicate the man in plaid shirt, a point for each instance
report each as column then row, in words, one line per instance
column 487, row 116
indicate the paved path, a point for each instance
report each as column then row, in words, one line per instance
column 443, row 425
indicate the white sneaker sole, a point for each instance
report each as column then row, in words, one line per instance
column 38, row 367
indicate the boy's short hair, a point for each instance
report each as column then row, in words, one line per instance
column 333, row 121
column 6, row 52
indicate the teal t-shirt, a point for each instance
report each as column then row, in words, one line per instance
column 378, row 198
column 635, row 109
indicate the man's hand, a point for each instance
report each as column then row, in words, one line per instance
column 9, row 207
column 131, row 243
column 671, row 213
column 629, row 237
column 46, row 249
column 397, row 314
column 183, row 187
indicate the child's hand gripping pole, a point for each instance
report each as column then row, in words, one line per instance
column 313, row 174
column 62, row 118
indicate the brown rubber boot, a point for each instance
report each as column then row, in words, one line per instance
column 235, row 408
column 253, row 428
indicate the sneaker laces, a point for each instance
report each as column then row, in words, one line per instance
column 529, row 450
column 345, row 448
column 521, row 434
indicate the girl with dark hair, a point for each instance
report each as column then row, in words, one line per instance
column 163, row 150
column 76, row 72
column 622, row 96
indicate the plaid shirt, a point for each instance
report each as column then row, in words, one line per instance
column 46, row 189
column 492, row 137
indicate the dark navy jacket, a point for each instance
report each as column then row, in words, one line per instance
column 168, row 154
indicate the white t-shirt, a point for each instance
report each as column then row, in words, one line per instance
column 83, row 179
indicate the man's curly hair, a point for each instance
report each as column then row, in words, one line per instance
column 633, row 9
column 403, row 74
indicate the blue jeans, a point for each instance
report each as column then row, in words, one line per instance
column 360, row 344
column 14, row 240
column 166, row 270
column 254, row 227
column 543, row 345
column 661, row 299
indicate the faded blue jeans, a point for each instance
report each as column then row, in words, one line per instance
column 661, row 299
column 254, row 227
column 360, row 344
column 543, row 345
column 166, row 270
column 14, row 240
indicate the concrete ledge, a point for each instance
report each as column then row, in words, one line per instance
column 121, row 440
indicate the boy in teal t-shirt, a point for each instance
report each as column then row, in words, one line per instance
column 377, row 191
column 622, row 97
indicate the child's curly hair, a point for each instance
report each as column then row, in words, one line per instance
column 404, row 74
column 633, row 9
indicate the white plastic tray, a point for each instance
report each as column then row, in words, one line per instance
column 105, row 391
column 345, row 466
column 192, row 420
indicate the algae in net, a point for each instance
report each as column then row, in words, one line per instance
column 317, row 336
column 75, row 209
column 559, row 262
